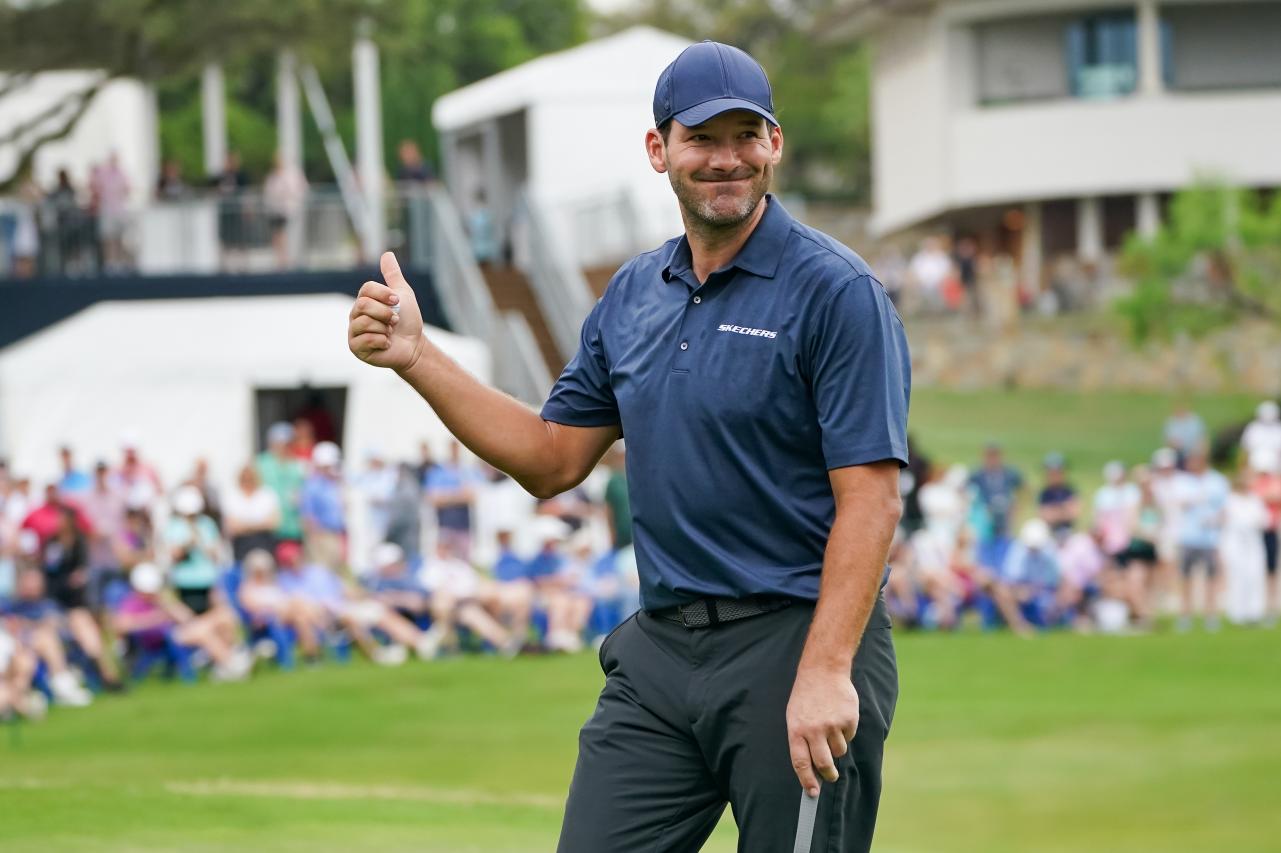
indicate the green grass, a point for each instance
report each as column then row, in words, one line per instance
column 1062, row 743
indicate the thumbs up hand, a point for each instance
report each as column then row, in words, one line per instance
column 386, row 328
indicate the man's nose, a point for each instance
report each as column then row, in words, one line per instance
column 724, row 157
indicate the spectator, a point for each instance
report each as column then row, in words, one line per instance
column 70, row 231
column 1241, row 552
column 377, row 486
column 460, row 597
column 1201, row 493
column 480, row 228
column 929, row 269
column 17, row 673
column 617, row 501
column 1139, row 560
column 1082, row 576
column 150, row 619
column 965, row 260
column 284, row 475
column 230, row 184
column 404, row 516
column 304, row 440
column 1031, row 568
column 33, row 619
column 353, row 611
column 136, row 481
column 394, row 584
column 251, row 515
column 73, row 481
column 208, row 491
column 1263, row 434
column 1267, row 485
column 136, row 542
column 284, row 195
column 170, row 186
column 323, row 509
column 411, row 167
column 262, row 599
column 515, row 591
column 1184, row 431
column 450, row 488
column 1116, row 510
column 195, row 549
column 568, row 597
column 65, row 558
column 110, row 189
column 1057, row 503
column 996, row 490
column 46, row 519
column 105, row 510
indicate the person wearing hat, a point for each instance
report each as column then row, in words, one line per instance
column 284, row 474
column 761, row 375
column 323, row 509
column 149, row 617
column 1057, row 502
column 195, row 549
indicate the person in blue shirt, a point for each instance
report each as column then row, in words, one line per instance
column 761, row 375
column 323, row 509
column 996, row 487
column 450, row 487
column 73, row 481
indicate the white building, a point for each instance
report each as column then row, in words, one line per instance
column 569, row 129
column 1047, row 127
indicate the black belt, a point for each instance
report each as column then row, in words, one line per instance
column 710, row 612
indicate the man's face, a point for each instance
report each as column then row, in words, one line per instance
column 721, row 169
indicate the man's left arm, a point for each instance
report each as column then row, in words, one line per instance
column 822, row 714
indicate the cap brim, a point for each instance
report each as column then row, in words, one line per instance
column 700, row 113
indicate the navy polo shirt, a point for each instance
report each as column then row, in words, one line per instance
column 737, row 397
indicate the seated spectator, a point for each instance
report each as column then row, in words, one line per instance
column 460, row 597
column 17, row 673
column 65, row 558
column 513, row 588
column 1082, row 576
column 34, row 620
column 195, row 548
column 1057, row 504
column 974, row 579
column 46, row 519
column 261, row 597
column 356, row 613
column 149, row 618
column 394, row 585
column 1031, row 569
column 567, row 595
column 251, row 515
column 1116, row 510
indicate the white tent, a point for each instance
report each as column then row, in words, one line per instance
column 182, row 376
column 568, row 127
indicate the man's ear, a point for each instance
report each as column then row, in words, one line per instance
column 656, row 150
column 776, row 144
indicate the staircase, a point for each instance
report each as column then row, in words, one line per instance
column 511, row 291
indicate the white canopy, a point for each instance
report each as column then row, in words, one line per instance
column 181, row 376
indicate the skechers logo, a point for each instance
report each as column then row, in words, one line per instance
column 743, row 330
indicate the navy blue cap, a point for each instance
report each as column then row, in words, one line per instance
column 708, row 79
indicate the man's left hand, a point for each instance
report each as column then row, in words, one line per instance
column 822, row 716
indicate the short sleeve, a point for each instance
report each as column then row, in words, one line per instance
column 582, row 395
column 860, row 376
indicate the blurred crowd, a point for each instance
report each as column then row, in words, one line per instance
column 91, row 229
column 1170, row 536
column 108, row 574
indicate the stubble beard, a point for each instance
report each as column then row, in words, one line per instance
column 705, row 215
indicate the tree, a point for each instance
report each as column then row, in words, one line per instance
column 1216, row 261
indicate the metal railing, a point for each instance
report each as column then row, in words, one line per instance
column 563, row 294
column 519, row 367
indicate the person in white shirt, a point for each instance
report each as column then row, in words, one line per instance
column 250, row 515
column 1263, row 434
column 1245, row 517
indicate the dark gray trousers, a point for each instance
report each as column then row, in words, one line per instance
column 692, row 719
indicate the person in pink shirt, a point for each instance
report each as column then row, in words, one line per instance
column 149, row 618
column 1266, row 484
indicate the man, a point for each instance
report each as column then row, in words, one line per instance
column 1057, row 504
column 324, row 510
column 996, row 489
column 1201, row 493
column 761, row 375
column 284, row 475
column 450, row 488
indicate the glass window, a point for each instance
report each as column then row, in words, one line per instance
column 1102, row 55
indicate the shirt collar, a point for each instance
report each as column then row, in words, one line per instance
column 760, row 254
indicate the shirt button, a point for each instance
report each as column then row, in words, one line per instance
column 697, row 299
column 684, row 344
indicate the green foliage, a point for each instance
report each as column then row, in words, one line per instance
column 1216, row 260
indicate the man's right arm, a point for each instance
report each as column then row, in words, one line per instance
column 546, row 458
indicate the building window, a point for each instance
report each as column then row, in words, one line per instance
column 1224, row 46
column 1102, row 55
